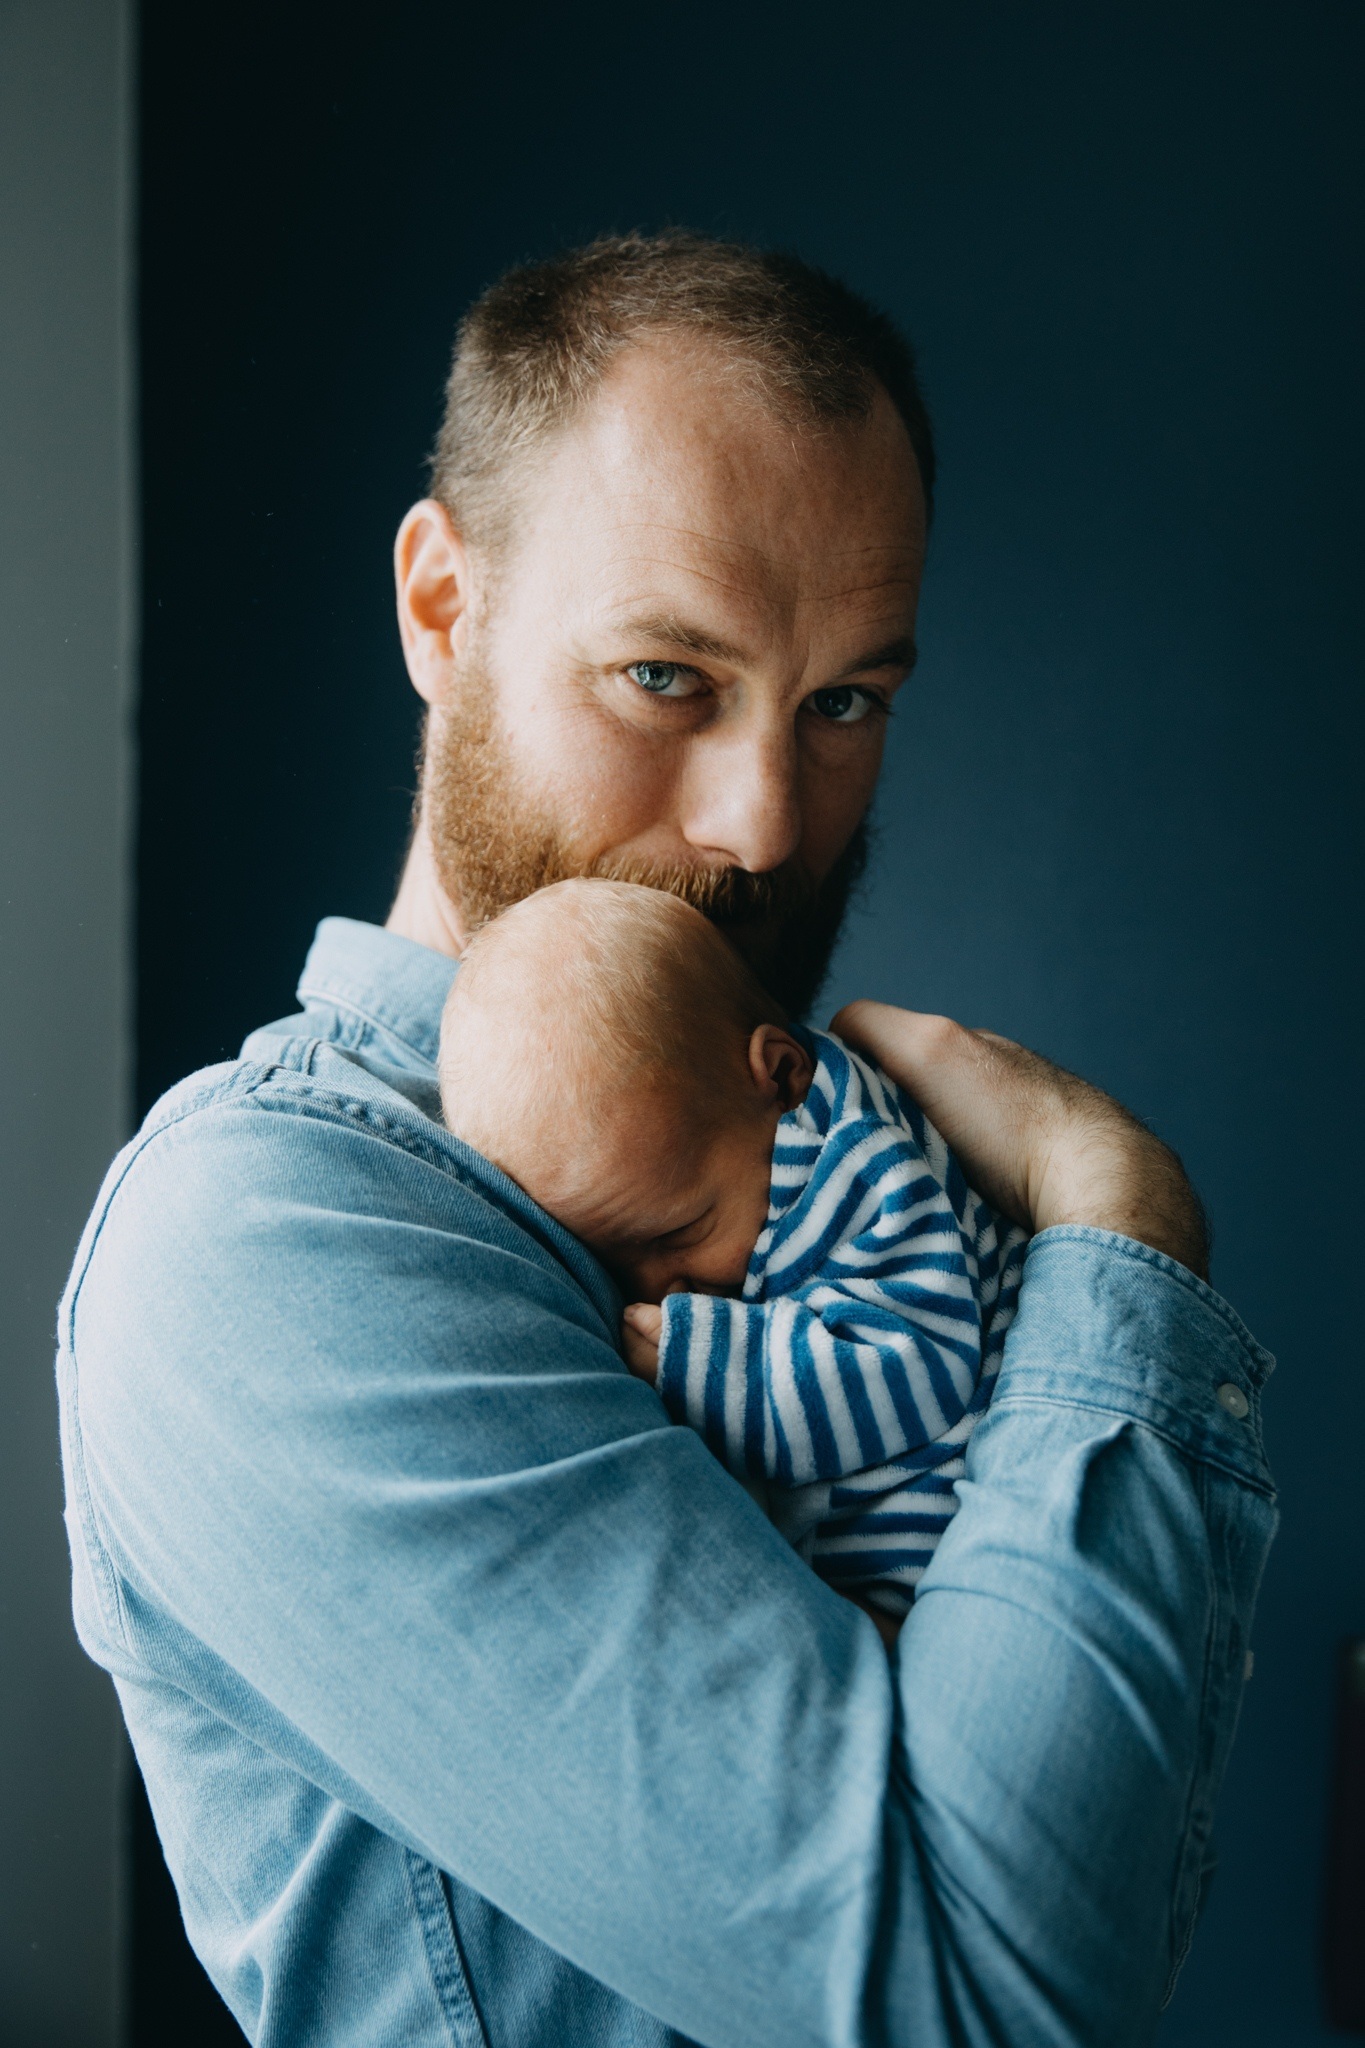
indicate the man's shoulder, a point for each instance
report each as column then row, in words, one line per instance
column 312, row 1083
column 284, row 1103
column 299, row 1157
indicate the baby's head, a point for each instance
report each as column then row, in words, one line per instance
column 611, row 1052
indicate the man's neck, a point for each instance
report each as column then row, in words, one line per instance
column 421, row 910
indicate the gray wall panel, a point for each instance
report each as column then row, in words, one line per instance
column 66, row 611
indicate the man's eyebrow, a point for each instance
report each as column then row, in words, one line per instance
column 899, row 653
column 668, row 629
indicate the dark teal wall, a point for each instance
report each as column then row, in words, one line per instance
column 1122, row 814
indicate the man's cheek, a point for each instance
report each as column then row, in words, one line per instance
column 605, row 784
column 832, row 809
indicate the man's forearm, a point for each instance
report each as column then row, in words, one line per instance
column 1070, row 1673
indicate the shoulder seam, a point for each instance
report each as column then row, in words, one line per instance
column 250, row 1087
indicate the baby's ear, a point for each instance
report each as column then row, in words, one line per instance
column 780, row 1065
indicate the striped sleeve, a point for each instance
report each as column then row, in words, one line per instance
column 867, row 1343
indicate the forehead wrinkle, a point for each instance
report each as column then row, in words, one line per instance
column 908, row 549
column 710, row 540
column 650, row 605
column 758, row 607
column 849, row 593
column 778, row 591
column 708, row 559
column 902, row 570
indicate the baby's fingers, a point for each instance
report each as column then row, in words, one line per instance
column 641, row 1328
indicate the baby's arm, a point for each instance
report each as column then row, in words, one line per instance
column 804, row 1390
column 869, row 1345
column 834, row 1366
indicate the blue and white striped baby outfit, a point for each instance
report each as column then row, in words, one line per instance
column 866, row 1344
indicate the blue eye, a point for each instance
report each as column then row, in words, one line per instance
column 842, row 705
column 662, row 678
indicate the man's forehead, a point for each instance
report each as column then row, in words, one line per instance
column 671, row 581
column 700, row 595
column 676, row 473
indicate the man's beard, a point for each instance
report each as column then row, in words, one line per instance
column 493, row 845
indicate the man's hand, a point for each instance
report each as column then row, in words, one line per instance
column 641, row 1328
column 1038, row 1143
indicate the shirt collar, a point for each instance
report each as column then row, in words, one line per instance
column 387, row 982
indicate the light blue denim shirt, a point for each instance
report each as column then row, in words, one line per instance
column 478, row 1704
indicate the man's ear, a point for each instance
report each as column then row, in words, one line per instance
column 779, row 1065
column 431, row 569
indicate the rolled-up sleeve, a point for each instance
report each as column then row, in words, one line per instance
column 353, row 1461
column 1069, row 1678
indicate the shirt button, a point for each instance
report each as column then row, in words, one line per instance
column 1233, row 1401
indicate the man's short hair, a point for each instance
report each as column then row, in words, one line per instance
column 533, row 348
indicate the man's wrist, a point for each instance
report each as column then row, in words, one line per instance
column 1115, row 1176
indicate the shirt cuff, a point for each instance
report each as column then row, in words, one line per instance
column 676, row 1338
column 1107, row 1323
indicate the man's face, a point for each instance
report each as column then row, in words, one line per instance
column 679, row 669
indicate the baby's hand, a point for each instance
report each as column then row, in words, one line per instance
column 641, row 1328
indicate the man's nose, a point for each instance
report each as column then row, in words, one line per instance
column 740, row 795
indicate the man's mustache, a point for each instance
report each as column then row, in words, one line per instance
column 784, row 923
column 731, row 897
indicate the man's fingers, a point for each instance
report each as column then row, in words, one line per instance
column 1040, row 1144
column 919, row 1036
column 969, row 1085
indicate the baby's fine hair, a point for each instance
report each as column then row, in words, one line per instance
column 606, row 975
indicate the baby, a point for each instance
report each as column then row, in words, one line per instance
column 813, row 1286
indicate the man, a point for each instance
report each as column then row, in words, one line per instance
column 475, row 1703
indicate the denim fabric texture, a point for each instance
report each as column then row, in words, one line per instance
column 479, row 1705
